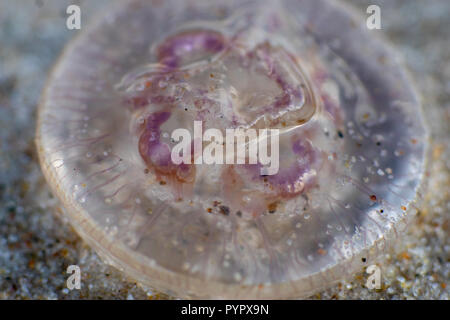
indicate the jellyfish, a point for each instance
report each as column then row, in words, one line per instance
column 352, row 144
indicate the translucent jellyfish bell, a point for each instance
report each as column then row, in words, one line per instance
column 352, row 144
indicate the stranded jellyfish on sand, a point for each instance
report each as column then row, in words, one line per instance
column 352, row 144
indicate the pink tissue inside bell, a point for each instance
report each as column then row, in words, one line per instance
column 259, row 87
column 187, row 46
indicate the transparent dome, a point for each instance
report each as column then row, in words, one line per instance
column 352, row 144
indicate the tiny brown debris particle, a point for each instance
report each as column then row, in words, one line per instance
column 373, row 197
column 146, row 171
column 437, row 152
column 405, row 256
column 403, row 208
column 216, row 203
column 162, row 182
column 64, row 252
column 413, row 141
column 24, row 189
column 31, row 264
column 272, row 207
column 211, row 75
column 443, row 285
column 322, row 252
column 209, row 210
column 224, row 210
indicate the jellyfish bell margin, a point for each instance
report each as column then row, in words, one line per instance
column 351, row 162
